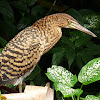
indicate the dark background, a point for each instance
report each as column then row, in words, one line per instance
column 74, row 49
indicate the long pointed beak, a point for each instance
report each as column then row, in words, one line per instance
column 81, row 28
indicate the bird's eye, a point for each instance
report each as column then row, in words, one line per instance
column 69, row 21
column 72, row 22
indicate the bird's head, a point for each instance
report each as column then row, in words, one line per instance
column 66, row 21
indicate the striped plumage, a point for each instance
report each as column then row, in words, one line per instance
column 22, row 53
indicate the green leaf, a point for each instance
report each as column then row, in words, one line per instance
column 86, row 12
column 36, row 77
column 3, row 42
column 65, row 51
column 34, row 73
column 67, row 41
column 59, row 74
column 32, row 83
column 57, row 57
column 29, row 2
column 0, row 94
column 1, row 49
column 37, row 12
column 59, row 96
column 98, row 95
column 92, row 21
column 20, row 6
column 79, row 60
column 67, row 91
column 93, row 50
column 24, row 22
column 81, row 40
column 85, row 56
column 90, row 44
column 6, row 11
column 91, row 97
column 11, row 86
column 8, row 30
column 90, row 72
column 40, row 80
column 57, row 49
column 70, row 54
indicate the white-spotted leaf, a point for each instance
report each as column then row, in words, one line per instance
column 91, row 97
column 59, row 74
column 90, row 72
column 67, row 91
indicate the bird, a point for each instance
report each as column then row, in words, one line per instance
column 21, row 54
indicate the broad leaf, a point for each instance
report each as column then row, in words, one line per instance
column 67, row 41
column 3, row 42
column 81, row 40
column 57, row 49
column 24, row 22
column 59, row 74
column 67, row 91
column 57, row 57
column 86, row 12
column 34, row 73
column 37, row 12
column 85, row 56
column 8, row 30
column 90, row 72
column 20, row 6
column 29, row 2
column 6, row 11
column 70, row 54
column 79, row 60
column 93, row 50
column 91, row 97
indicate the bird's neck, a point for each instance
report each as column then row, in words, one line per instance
column 50, row 33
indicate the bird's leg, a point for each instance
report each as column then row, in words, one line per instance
column 20, row 87
column 24, row 84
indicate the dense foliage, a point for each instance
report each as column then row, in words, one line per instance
column 64, row 81
column 74, row 49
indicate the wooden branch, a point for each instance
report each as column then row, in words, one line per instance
column 10, row 90
column 51, row 7
column 48, row 4
column 32, row 93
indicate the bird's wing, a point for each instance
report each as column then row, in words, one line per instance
column 20, row 55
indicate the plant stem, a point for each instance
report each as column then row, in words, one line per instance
column 72, row 98
column 81, row 98
column 81, row 86
column 78, row 97
column 0, row 94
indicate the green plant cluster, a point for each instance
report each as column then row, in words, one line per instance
column 74, row 49
column 65, row 80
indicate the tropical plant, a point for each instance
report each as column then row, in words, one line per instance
column 64, row 80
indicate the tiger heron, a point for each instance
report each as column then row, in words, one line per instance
column 20, row 56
